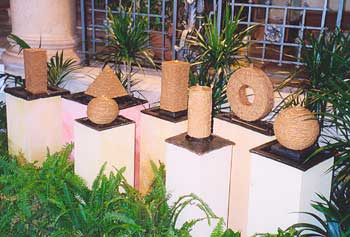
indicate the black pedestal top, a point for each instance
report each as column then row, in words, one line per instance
column 22, row 93
column 262, row 127
column 118, row 122
column 124, row 102
column 199, row 147
column 288, row 157
column 159, row 113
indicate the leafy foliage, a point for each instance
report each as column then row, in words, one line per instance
column 216, row 51
column 53, row 201
column 290, row 232
column 59, row 69
column 128, row 45
column 220, row 232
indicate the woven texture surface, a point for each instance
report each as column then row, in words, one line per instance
column 262, row 87
column 174, row 92
column 35, row 68
column 199, row 111
column 296, row 128
column 106, row 84
column 102, row 110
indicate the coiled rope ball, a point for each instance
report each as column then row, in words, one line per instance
column 102, row 110
column 296, row 128
column 262, row 87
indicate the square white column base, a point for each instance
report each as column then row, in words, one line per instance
column 278, row 192
column 34, row 127
column 206, row 174
column 112, row 145
column 154, row 130
column 244, row 140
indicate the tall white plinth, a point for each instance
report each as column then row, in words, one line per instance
column 96, row 145
column 245, row 136
column 281, row 188
column 75, row 107
column 34, row 123
column 203, row 169
column 155, row 128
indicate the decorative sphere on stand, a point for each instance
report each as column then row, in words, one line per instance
column 102, row 110
column 296, row 128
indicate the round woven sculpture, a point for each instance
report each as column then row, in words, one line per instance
column 296, row 128
column 102, row 110
column 261, row 85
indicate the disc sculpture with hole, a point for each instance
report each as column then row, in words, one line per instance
column 296, row 128
column 262, row 88
column 102, row 110
column 106, row 84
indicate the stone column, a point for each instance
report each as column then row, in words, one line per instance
column 50, row 21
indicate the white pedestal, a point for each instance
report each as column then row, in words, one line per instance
column 34, row 125
column 113, row 145
column 244, row 140
column 72, row 110
column 205, row 173
column 154, row 130
column 279, row 191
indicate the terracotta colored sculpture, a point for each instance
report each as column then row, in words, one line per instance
column 106, row 84
column 35, row 70
column 262, row 88
column 174, row 93
column 199, row 112
column 102, row 110
column 296, row 128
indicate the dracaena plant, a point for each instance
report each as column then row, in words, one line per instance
column 215, row 54
column 128, row 45
column 58, row 68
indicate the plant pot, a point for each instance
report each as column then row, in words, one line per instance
column 156, row 44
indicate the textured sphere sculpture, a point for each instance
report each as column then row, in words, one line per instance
column 260, row 84
column 102, row 110
column 296, row 128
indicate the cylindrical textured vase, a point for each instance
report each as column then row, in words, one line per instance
column 199, row 112
column 102, row 110
column 174, row 94
column 35, row 70
column 296, row 128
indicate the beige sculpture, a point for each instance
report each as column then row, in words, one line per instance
column 102, row 110
column 262, row 87
column 296, row 128
column 106, row 84
column 35, row 67
column 174, row 92
column 199, row 112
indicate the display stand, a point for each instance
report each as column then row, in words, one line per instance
column 246, row 135
column 34, row 123
column 75, row 106
column 96, row 145
column 282, row 187
column 157, row 125
column 201, row 167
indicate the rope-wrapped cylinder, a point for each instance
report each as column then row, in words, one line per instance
column 174, row 93
column 102, row 110
column 199, row 112
column 35, row 68
column 296, row 128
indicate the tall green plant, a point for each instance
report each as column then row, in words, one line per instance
column 128, row 44
column 217, row 51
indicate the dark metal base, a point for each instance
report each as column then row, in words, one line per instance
column 22, row 93
column 124, row 102
column 199, row 146
column 119, row 121
column 157, row 112
column 297, row 159
column 262, row 127
column 173, row 114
